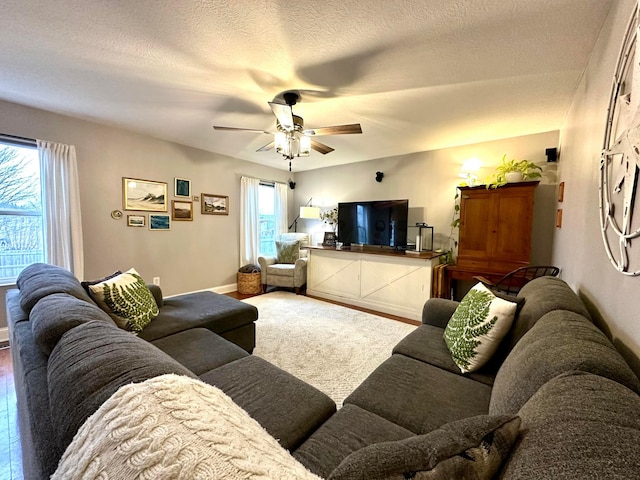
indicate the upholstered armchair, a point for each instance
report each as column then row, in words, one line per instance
column 289, row 267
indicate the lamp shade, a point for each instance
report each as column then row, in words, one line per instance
column 310, row 212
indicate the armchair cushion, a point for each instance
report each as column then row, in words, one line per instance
column 287, row 251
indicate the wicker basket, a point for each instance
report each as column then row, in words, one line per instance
column 249, row 283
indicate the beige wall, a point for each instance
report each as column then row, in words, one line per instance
column 578, row 246
column 428, row 180
column 192, row 255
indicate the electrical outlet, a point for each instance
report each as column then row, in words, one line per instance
column 156, row 281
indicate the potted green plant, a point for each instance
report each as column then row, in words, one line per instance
column 513, row 171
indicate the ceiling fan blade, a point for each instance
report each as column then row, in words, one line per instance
column 266, row 147
column 321, row 147
column 237, row 129
column 284, row 114
column 335, row 130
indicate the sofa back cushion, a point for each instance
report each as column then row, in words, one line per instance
column 88, row 365
column 40, row 279
column 541, row 296
column 577, row 426
column 559, row 342
column 53, row 315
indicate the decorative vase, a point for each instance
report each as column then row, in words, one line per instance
column 513, row 177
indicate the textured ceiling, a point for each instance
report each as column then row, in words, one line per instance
column 416, row 74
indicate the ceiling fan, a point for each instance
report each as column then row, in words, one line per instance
column 290, row 138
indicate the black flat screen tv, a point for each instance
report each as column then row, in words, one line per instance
column 379, row 222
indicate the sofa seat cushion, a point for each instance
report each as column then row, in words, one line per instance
column 426, row 344
column 57, row 313
column 288, row 408
column 199, row 349
column 471, row 448
column 41, row 279
column 577, row 426
column 218, row 313
column 281, row 270
column 349, row 430
column 419, row 396
column 559, row 342
column 88, row 365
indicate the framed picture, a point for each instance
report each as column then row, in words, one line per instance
column 329, row 239
column 561, row 192
column 145, row 195
column 181, row 210
column 214, row 204
column 182, row 187
column 159, row 222
column 136, row 220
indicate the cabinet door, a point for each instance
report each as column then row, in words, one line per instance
column 476, row 223
column 398, row 285
column 514, row 211
column 334, row 273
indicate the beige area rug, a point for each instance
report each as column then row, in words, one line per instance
column 331, row 347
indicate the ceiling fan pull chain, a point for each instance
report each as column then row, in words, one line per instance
column 289, row 165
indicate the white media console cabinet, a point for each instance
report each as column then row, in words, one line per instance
column 376, row 279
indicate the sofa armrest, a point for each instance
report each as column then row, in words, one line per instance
column 438, row 311
column 157, row 294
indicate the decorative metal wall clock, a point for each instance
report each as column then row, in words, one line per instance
column 620, row 160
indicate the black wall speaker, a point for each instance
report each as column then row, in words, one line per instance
column 292, row 184
column 379, row 176
column 552, row 154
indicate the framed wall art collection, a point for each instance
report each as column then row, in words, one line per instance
column 151, row 196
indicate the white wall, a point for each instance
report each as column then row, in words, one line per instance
column 428, row 180
column 578, row 247
column 191, row 256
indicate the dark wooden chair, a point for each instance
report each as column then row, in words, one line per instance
column 513, row 281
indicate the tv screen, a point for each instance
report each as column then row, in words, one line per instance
column 380, row 222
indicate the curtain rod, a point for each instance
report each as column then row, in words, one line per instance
column 265, row 181
column 28, row 142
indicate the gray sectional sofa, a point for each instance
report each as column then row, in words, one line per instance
column 576, row 397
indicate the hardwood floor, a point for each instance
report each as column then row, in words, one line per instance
column 10, row 453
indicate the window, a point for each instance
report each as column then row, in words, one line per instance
column 267, row 220
column 21, row 221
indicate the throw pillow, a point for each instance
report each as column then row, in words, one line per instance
column 477, row 326
column 88, row 283
column 287, row 252
column 472, row 449
column 127, row 299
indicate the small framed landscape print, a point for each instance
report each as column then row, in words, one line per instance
column 214, row 204
column 181, row 210
column 136, row 220
column 159, row 222
column 145, row 195
column 182, row 187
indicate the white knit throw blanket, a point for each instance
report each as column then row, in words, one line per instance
column 175, row 427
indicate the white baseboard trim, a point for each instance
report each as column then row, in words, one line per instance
column 231, row 287
column 4, row 334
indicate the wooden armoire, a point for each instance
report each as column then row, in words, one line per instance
column 495, row 230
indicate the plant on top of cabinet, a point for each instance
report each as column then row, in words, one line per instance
column 513, row 171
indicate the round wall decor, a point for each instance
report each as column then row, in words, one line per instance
column 116, row 214
column 620, row 160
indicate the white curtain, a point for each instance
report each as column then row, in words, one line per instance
column 280, row 208
column 63, row 223
column 249, row 221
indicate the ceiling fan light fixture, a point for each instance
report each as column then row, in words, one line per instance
column 305, row 146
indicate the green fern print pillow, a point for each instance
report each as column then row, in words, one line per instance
column 127, row 299
column 287, row 252
column 477, row 326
